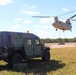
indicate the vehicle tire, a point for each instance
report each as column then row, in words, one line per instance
column 17, row 58
column 46, row 56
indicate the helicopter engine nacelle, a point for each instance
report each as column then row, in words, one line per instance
column 68, row 21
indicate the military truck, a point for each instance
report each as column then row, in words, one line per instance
column 17, row 46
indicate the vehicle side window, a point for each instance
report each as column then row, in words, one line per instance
column 29, row 42
column 37, row 42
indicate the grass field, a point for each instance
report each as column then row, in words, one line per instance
column 62, row 62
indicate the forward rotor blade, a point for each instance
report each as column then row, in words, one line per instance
column 41, row 16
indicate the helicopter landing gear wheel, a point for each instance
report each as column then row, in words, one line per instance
column 56, row 29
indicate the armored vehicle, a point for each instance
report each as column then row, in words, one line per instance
column 17, row 46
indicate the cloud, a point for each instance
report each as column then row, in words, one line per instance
column 29, row 12
column 27, row 22
column 63, row 20
column 16, row 26
column 25, row 5
column 18, row 19
column 32, row 12
column 47, row 20
column 43, row 32
column 43, row 27
column 33, row 6
column 65, row 9
column 30, row 7
column 5, row 2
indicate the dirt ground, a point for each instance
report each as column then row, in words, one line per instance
column 55, row 45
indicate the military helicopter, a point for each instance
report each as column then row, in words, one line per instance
column 60, row 24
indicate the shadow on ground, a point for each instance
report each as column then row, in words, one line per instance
column 38, row 67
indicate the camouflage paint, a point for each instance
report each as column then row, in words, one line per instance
column 18, row 40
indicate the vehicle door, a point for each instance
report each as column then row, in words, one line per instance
column 28, row 46
column 37, row 47
column 1, row 41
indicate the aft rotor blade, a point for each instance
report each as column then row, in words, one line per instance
column 41, row 16
column 66, row 13
column 72, row 16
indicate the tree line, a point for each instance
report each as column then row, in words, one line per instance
column 48, row 40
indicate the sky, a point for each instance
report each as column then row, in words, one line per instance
column 16, row 16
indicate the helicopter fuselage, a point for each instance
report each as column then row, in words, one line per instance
column 61, row 25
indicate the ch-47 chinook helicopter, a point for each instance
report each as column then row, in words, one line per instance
column 60, row 24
